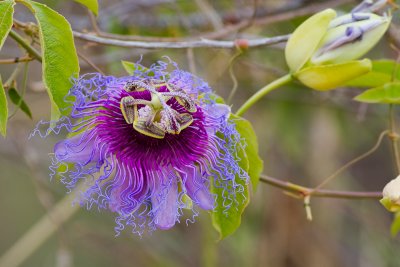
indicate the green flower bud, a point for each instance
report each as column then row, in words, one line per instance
column 391, row 195
column 350, row 37
column 321, row 52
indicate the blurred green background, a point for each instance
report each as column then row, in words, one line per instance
column 304, row 136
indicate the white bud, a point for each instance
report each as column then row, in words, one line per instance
column 392, row 190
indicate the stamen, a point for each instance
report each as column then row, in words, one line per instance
column 157, row 118
column 127, row 107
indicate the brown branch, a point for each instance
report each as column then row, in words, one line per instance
column 204, row 43
column 16, row 60
column 351, row 162
column 270, row 19
column 228, row 30
column 89, row 62
column 302, row 191
column 394, row 138
column 313, row 8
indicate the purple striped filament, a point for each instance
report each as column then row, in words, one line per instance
column 147, row 143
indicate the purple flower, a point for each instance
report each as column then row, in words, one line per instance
column 148, row 146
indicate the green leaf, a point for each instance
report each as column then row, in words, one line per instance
column 6, row 19
column 395, row 227
column 19, row 102
column 3, row 110
column 131, row 68
column 387, row 94
column 226, row 221
column 60, row 62
column 256, row 164
column 381, row 73
column 92, row 5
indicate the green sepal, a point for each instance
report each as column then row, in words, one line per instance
column 327, row 77
column 390, row 205
column 386, row 94
column 306, row 38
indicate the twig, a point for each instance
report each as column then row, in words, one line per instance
column 16, row 60
column 393, row 138
column 210, row 13
column 274, row 18
column 350, row 163
column 323, row 193
column 310, row 9
column 12, row 77
column 93, row 22
column 32, row 51
column 89, row 62
column 21, row 99
column 191, row 60
column 204, row 43
column 233, row 76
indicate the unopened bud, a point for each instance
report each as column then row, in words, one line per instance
column 391, row 195
column 349, row 37
column 322, row 51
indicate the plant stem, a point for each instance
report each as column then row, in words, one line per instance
column 20, row 40
column 233, row 77
column 350, row 163
column 16, row 60
column 394, row 137
column 64, row 210
column 303, row 191
column 262, row 92
column 41, row 231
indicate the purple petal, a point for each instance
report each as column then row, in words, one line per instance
column 79, row 148
column 198, row 191
column 165, row 205
column 219, row 111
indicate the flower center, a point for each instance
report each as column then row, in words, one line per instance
column 155, row 118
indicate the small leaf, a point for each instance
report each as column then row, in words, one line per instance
column 388, row 94
column 60, row 62
column 18, row 101
column 327, row 77
column 6, row 19
column 381, row 73
column 92, row 5
column 395, row 227
column 305, row 39
column 131, row 68
column 227, row 220
column 3, row 110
